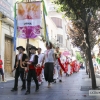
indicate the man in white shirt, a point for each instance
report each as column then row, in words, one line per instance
column 20, row 68
column 39, row 65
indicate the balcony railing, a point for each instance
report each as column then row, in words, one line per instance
column 56, row 43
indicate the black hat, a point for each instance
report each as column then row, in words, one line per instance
column 21, row 48
column 30, row 48
column 33, row 47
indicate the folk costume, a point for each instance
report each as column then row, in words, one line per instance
column 71, row 65
column 58, row 67
column 32, row 71
column 76, row 68
column 68, row 66
column 19, row 67
column 39, row 68
column 49, row 65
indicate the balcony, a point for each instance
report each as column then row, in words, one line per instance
column 5, row 8
column 56, row 43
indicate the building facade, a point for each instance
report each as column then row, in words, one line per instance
column 6, row 34
column 6, row 37
column 56, row 26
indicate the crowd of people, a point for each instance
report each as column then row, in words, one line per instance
column 37, row 65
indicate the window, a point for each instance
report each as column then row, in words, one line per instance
column 60, row 38
column 57, row 21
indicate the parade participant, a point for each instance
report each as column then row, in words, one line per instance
column 39, row 65
column 55, row 76
column 68, row 66
column 43, row 69
column 71, row 65
column 49, row 58
column 20, row 69
column 57, row 65
column 32, row 70
column 76, row 66
column 29, row 52
column 1, row 69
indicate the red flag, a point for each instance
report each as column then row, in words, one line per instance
column 61, row 65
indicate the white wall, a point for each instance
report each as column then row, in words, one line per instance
column 51, row 27
column 42, row 46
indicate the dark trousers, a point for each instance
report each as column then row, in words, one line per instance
column 31, row 74
column 48, row 71
column 21, row 74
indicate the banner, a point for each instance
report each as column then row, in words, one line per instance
column 29, row 20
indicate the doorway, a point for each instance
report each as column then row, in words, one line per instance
column 8, row 57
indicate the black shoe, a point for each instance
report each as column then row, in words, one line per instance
column 66, row 74
column 60, row 80
column 37, row 89
column 14, row 89
column 54, row 81
column 23, row 88
column 27, row 92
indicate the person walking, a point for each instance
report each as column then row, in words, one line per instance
column 32, row 70
column 39, row 65
column 68, row 66
column 1, row 69
column 20, row 68
column 95, row 64
column 49, row 58
column 57, row 65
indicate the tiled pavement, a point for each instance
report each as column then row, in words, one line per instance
column 69, row 89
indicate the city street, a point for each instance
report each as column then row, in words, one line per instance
column 72, row 88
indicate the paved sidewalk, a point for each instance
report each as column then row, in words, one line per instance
column 69, row 89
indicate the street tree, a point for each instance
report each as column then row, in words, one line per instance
column 84, row 10
column 76, row 33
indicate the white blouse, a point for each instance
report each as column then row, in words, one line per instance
column 32, row 57
column 40, row 58
column 49, row 56
column 19, row 56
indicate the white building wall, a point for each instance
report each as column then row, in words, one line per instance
column 51, row 27
column 42, row 46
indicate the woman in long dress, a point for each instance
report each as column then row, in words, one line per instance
column 49, row 58
column 68, row 66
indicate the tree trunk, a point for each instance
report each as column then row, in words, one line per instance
column 90, row 59
column 89, row 74
column 86, row 66
column 86, row 61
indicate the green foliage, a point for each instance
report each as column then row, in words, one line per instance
column 77, row 11
column 79, row 57
column 78, row 8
